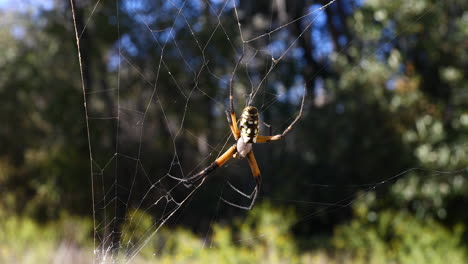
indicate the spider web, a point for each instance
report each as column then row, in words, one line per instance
column 149, row 113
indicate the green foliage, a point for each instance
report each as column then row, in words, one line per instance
column 138, row 228
column 23, row 240
column 391, row 236
column 43, row 164
column 407, row 97
column 263, row 237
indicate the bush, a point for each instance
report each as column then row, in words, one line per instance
column 397, row 237
column 263, row 238
column 22, row 240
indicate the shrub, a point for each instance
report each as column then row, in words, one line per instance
column 397, row 237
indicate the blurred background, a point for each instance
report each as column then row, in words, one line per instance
column 374, row 172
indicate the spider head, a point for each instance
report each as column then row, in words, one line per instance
column 251, row 110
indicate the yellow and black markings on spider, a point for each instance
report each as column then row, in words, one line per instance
column 248, row 131
column 246, row 134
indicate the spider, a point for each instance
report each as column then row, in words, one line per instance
column 246, row 134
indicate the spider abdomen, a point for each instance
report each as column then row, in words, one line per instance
column 249, row 124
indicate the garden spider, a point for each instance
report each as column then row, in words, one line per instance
column 245, row 135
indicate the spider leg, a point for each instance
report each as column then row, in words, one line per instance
column 258, row 179
column 248, row 196
column 254, row 194
column 231, row 114
column 232, row 121
column 265, row 139
column 193, row 180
